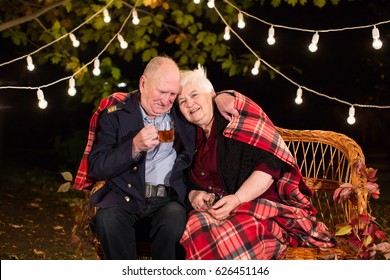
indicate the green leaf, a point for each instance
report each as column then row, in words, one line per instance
column 275, row 3
column 149, row 53
column 345, row 230
column 368, row 240
column 67, row 176
column 56, row 27
column 116, row 73
column 64, row 187
column 319, row 3
column 292, row 2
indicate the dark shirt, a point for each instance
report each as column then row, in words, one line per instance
column 204, row 171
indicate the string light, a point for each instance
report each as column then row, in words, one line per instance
column 313, row 47
column 255, row 70
column 226, row 35
column 75, row 42
column 30, row 64
column 96, row 67
column 106, row 16
column 42, row 103
column 56, row 40
column 376, row 43
column 241, row 22
column 271, row 36
column 267, row 64
column 298, row 99
column 351, row 115
column 196, row 1
column 135, row 17
column 72, row 87
column 210, row 4
column 122, row 42
column 300, row 87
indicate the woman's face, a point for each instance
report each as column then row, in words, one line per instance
column 196, row 105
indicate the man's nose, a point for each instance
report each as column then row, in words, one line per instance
column 167, row 100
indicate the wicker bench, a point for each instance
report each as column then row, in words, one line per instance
column 327, row 159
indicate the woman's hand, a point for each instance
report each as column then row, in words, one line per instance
column 201, row 200
column 222, row 209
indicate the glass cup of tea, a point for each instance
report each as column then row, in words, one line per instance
column 165, row 131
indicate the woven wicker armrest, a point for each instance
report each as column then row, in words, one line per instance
column 327, row 159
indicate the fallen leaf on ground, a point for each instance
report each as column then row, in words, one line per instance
column 37, row 252
column 15, row 226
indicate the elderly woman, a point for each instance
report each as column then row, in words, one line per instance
column 249, row 199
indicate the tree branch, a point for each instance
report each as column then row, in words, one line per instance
column 21, row 20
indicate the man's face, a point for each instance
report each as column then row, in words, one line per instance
column 160, row 89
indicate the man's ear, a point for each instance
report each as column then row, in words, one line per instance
column 142, row 81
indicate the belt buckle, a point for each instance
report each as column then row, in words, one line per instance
column 148, row 190
column 161, row 191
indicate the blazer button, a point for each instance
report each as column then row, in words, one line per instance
column 135, row 168
column 127, row 198
column 129, row 186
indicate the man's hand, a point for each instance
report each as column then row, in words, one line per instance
column 225, row 104
column 145, row 140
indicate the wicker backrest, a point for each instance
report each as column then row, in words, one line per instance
column 327, row 159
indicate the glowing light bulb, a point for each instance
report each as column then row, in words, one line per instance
column 313, row 47
column 226, row 36
column 106, row 15
column 255, row 70
column 135, row 17
column 298, row 99
column 30, row 64
column 122, row 42
column 72, row 89
column 196, row 1
column 42, row 103
column 211, row 4
column 351, row 116
column 271, row 36
column 241, row 22
column 376, row 43
column 96, row 67
column 75, row 42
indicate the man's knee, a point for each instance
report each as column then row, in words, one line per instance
column 175, row 217
column 111, row 220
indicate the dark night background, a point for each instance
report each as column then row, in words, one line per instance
column 345, row 66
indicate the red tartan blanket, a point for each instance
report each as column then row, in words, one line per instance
column 255, row 128
column 83, row 180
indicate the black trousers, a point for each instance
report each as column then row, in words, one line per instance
column 116, row 230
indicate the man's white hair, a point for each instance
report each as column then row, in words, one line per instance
column 196, row 78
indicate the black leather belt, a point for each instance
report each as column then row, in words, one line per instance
column 153, row 191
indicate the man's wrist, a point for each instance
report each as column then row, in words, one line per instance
column 136, row 156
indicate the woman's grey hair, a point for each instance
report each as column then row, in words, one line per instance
column 196, row 77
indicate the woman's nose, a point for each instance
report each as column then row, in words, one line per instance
column 189, row 103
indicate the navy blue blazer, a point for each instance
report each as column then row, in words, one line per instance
column 111, row 156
